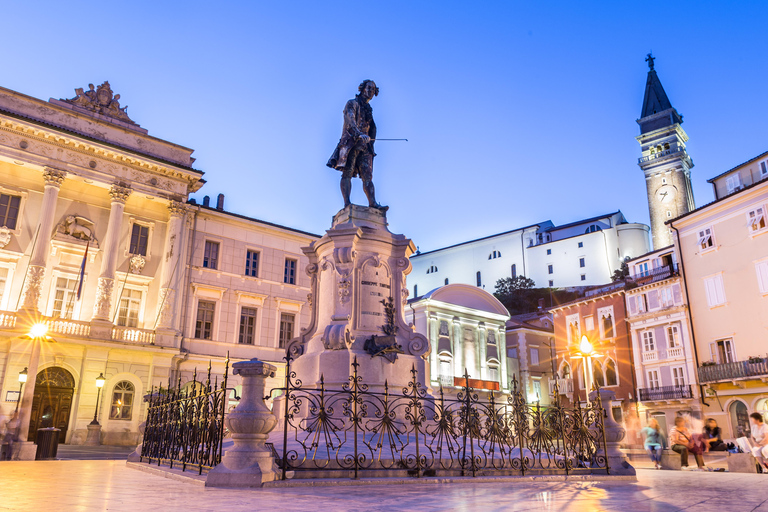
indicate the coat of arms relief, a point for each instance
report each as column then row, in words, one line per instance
column 101, row 100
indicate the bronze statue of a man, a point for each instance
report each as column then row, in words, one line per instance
column 354, row 153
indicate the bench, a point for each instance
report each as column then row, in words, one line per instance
column 741, row 463
column 671, row 460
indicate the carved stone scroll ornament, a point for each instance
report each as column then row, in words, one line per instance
column 100, row 100
column 5, row 237
column 33, row 287
column 136, row 263
column 103, row 298
column 344, row 285
column 336, row 337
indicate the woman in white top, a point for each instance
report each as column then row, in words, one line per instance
column 759, row 436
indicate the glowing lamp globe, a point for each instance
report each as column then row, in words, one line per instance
column 100, row 381
column 38, row 331
column 585, row 347
column 23, row 376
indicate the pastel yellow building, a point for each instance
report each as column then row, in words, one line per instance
column 723, row 249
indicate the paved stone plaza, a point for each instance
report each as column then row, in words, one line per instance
column 110, row 485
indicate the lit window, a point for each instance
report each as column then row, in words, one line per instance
column 673, row 336
column 128, row 308
column 204, row 322
column 211, row 255
column 289, row 275
column 722, row 351
column 247, row 326
column 9, row 210
column 139, row 239
column 64, row 298
column 705, row 239
column 756, row 220
column 286, row 329
column 252, row 263
column 122, row 401
column 649, row 344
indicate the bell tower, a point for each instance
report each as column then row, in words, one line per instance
column 664, row 161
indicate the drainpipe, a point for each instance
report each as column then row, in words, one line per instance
column 690, row 313
column 189, row 282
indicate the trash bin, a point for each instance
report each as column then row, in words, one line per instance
column 47, row 443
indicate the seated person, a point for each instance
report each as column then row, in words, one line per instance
column 758, row 434
column 713, row 441
column 682, row 442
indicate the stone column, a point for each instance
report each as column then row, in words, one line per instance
column 522, row 358
column 37, row 262
column 433, row 326
column 111, row 248
column 482, row 351
column 501, row 347
column 249, row 463
column 458, row 348
column 171, row 268
column 614, row 434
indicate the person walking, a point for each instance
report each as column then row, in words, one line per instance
column 758, row 434
column 682, row 442
column 653, row 441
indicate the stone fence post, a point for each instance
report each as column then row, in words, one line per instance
column 248, row 463
column 614, row 434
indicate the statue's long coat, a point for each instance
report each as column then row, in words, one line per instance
column 358, row 120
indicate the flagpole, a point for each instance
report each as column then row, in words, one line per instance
column 26, row 270
column 79, row 282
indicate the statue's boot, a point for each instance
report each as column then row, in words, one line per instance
column 370, row 193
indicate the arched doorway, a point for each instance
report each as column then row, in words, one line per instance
column 739, row 418
column 52, row 403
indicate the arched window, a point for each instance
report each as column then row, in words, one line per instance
column 610, row 373
column 593, row 229
column 597, row 372
column 565, row 371
column 607, row 326
column 479, row 279
column 122, row 401
column 666, row 145
column 739, row 418
column 446, row 280
column 415, row 290
column 574, row 328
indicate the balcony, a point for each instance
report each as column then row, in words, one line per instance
column 564, row 386
column 657, row 274
column 665, row 393
column 733, row 371
column 660, row 154
column 650, row 356
column 674, row 352
column 133, row 335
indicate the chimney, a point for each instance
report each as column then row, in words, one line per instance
column 541, row 304
column 206, row 201
column 192, row 200
column 220, row 202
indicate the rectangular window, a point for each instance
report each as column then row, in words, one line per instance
column 653, row 379
column 583, row 277
column 537, row 389
column 247, row 326
column 139, row 239
column 673, row 336
column 641, row 269
column 549, row 251
column 204, row 323
column 211, row 255
column 446, row 370
column 677, row 376
column 581, row 244
column 252, row 263
column 534, row 355
column 128, row 309
column 9, row 210
column 514, row 271
column 715, row 290
column 649, row 345
column 582, row 263
column 589, row 323
column 641, row 306
column 733, row 182
column 764, row 169
column 493, row 374
column 705, row 239
column 550, row 269
column 756, row 220
column 64, row 298
column 286, row 329
column 551, row 283
column 722, row 351
column 3, row 280
column 762, row 276
column 667, row 299
column 479, row 278
column 289, row 275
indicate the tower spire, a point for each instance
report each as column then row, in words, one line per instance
column 655, row 99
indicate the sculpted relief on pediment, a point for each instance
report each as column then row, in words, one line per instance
column 74, row 228
column 101, row 100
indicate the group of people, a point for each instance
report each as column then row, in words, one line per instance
column 683, row 441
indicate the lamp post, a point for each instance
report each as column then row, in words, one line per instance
column 93, row 437
column 22, row 380
column 38, row 333
column 586, row 351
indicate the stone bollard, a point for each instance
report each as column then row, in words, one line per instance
column 614, row 434
column 249, row 463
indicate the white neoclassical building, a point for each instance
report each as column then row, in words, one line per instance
column 582, row 253
column 99, row 243
column 466, row 331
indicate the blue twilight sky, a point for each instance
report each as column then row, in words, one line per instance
column 516, row 112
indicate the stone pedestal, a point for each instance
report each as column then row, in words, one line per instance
column 618, row 463
column 355, row 266
column 741, row 463
column 249, row 463
column 25, row 450
column 94, row 435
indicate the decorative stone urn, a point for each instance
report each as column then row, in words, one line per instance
column 614, row 434
column 249, row 463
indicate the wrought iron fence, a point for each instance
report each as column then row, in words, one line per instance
column 186, row 426
column 354, row 430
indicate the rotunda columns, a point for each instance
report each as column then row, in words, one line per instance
column 106, row 282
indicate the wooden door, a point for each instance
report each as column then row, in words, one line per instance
column 52, row 403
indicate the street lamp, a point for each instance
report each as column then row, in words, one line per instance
column 99, row 384
column 587, row 352
column 22, row 380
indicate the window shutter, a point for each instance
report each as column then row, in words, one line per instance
column 720, row 290
column 713, row 351
column 709, row 285
column 653, row 299
column 677, row 293
column 632, row 306
column 762, row 276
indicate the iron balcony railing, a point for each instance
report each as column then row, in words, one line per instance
column 733, row 371
column 660, row 154
column 665, row 393
column 657, row 274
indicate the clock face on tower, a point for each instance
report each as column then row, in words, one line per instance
column 666, row 194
